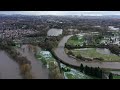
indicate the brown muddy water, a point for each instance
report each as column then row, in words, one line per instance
column 39, row 71
column 9, row 69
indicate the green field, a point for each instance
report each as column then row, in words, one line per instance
column 92, row 53
column 116, row 77
column 75, row 40
column 69, row 76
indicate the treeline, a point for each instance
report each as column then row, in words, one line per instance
column 49, row 42
column 96, row 72
column 114, row 49
column 70, row 53
column 24, row 64
column 85, row 46
column 37, row 34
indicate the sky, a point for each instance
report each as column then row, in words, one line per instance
column 91, row 13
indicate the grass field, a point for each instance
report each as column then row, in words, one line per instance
column 69, row 76
column 116, row 77
column 77, row 75
column 92, row 53
column 76, row 41
column 74, row 74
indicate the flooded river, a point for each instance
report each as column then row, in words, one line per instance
column 9, row 69
column 38, row 70
column 59, row 51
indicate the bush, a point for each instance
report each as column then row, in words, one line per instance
column 100, row 59
column 54, row 71
column 81, row 67
column 110, row 76
column 79, row 56
column 70, row 53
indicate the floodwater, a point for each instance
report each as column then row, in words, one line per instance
column 59, row 51
column 99, row 50
column 38, row 70
column 54, row 32
column 103, row 51
column 9, row 69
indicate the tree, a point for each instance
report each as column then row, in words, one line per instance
column 79, row 56
column 86, row 69
column 110, row 76
column 70, row 53
column 81, row 68
column 84, row 44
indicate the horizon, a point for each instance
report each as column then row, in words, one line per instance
column 62, row 13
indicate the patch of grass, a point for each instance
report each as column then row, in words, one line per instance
column 69, row 76
column 76, row 41
column 92, row 53
column 116, row 76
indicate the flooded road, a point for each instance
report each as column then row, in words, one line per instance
column 59, row 51
column 38, row 70
column 9, row 69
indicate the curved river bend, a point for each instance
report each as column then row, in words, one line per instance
column 59, row 51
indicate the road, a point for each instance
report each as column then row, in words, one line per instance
column 60, row 53
column 38, row 70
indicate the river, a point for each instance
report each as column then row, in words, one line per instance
column 9, row 69
column 59, row 51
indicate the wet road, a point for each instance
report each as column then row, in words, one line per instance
column 38, row 70
column 9, row 69
column 59, row 51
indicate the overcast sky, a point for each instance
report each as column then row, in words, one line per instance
column 62, row 12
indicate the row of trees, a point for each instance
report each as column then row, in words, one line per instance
column 96, row 72
column 49, row 43
column 85, row 46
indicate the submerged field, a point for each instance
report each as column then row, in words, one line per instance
column 92, row 53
